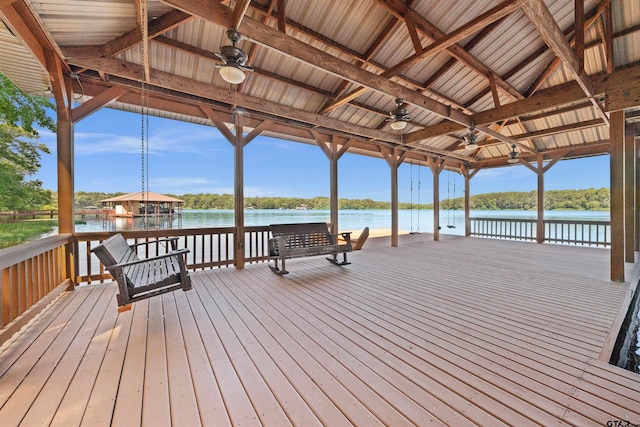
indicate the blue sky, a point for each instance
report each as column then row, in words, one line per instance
column 189, row 158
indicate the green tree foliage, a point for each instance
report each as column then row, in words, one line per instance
column 20, row 151
column 574, row 200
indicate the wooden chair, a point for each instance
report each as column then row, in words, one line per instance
column 143, row 278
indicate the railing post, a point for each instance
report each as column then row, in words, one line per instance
column 70, row 263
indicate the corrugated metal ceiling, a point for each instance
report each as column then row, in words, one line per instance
column 349, row 31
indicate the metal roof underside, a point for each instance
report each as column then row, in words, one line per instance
column 332, row 69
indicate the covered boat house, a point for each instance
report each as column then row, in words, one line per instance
column 424, row 329
column 143, row 204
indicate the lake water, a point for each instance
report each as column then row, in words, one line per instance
column 408, row 220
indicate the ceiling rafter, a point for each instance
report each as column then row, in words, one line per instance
column 130, row 39
column 239, row 11
column 544, row 100
column 184, row 47
column 438, row 45
column 142, row 22
column 589, row 149
column 543, row 20
column 589, row 20
column 298, row 50
column 452, row 61
column 400, row 9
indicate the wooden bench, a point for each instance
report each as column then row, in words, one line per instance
column 303, row 240
column 143, row 278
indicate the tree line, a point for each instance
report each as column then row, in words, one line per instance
column 578, row 200
column 590, row 199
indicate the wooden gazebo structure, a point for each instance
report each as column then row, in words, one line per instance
column 451, row 331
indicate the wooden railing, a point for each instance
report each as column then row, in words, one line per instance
column 208, row 248
column 30, row 272
column 32, row 214
column 575, row 232
column 570, row 232
column 51, row 213
column 504, row 228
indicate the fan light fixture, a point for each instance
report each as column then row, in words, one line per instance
column 232, row 74
column 399, row 116
column 513, row 155
column 234, row 60
column 471, row 139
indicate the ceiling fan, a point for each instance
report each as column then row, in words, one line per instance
column 513, row 155
column 399, row 116
column 471, row 139
column 234, row 59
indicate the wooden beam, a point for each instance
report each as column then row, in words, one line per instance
column 133, row 71
column 494, row 90
column 282, row 16
column 24, row 32
column 290, row 46
column 401, row 10
column 547, row 100
column 579, row 33
column 240, row 11
column 413, row 34
column 60, row 86
column 590, row 19
column 621, row 99
column 143, row 26
column 607, row 18
column 219, row 124
column 130, row 39
column 441, row 43
column 256, row 131
column 539, row 15
column 560, row 129
column 97, row 102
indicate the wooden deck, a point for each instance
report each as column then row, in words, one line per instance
column 430, row 333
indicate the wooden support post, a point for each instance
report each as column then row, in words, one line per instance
column 238, row 140
column 238, row 192
column 333, row 151
column 636, row 152
column 467, row 196
column 616, row 155
column 65, row 173
column 436, row 166
column 629, row 193
column 333, row 191
column 394, row 204
column 540, row 219
column 394, row 158
column 467, row 209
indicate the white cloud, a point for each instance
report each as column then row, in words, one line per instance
column 168, row 140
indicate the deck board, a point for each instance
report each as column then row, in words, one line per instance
column 430, row 333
